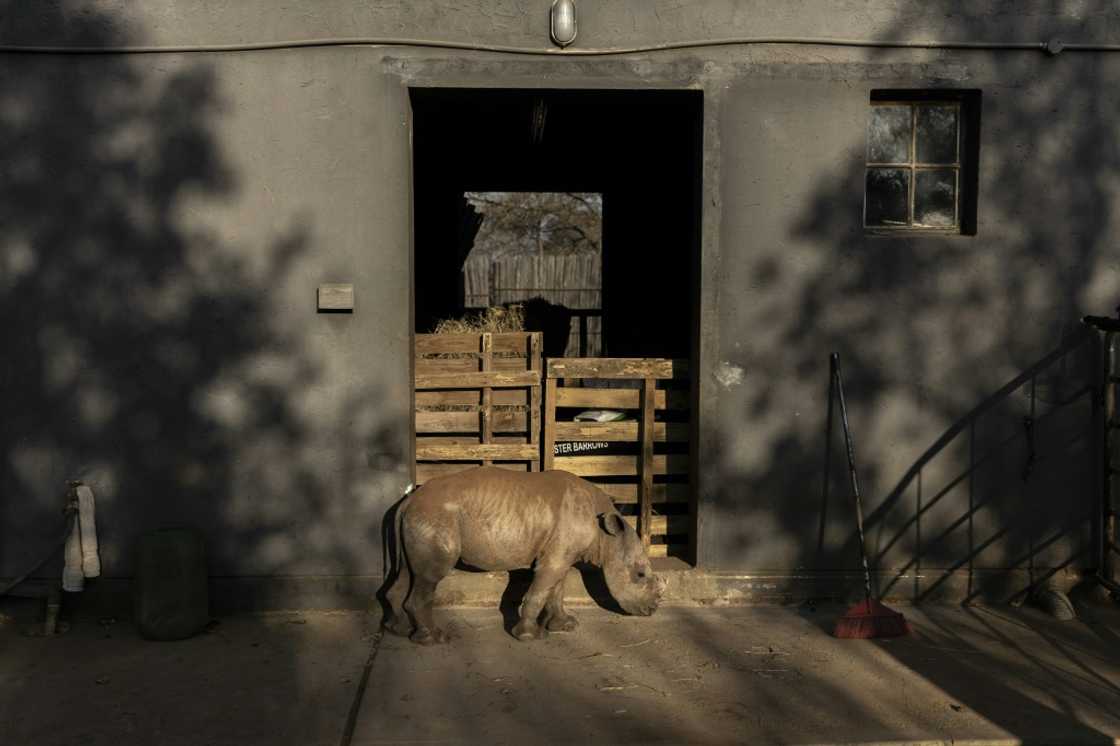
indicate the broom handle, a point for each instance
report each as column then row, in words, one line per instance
column 852, row 472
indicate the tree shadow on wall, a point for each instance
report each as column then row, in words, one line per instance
column 120, row 319
column 928, row 327
column 1017, row 428
column 151, row 354
column 146, row 350
column 969, row 380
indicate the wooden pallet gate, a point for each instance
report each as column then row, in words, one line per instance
column 642, row 479
column 478, row 401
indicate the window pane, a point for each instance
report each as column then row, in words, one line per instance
column 937, row 134
column 935, row 201
column 888, row 196
column 888, row 134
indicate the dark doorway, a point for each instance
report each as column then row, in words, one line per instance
column 641, row 150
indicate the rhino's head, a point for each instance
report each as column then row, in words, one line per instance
column 626, row 567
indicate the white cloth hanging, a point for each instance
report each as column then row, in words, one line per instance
column 82, row 558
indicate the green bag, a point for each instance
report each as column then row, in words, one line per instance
column 170, row 591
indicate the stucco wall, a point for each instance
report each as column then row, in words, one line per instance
column 167, row 219
column 167, row 222
column 928, row 328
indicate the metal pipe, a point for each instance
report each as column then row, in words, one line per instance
column 1108, row 498
column 1105, row 536
column 1108, row 402
column 54, row 607
column 838, row 382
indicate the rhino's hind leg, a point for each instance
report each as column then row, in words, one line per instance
column 419, row 605
column 556, row 619
column 398, row 622
column 429, row 562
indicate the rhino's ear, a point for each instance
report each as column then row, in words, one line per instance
column 612, row 523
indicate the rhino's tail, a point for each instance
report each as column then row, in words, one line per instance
column 398, row 558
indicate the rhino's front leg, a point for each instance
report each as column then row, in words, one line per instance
column 556, row 619
column 544, row 580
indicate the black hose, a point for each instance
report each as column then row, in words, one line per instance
column 58, row 545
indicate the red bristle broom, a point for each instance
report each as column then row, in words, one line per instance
column 869, row 618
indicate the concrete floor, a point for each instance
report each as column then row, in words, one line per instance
column 685, row 675
column 275, row 679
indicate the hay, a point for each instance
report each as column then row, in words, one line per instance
column 497, row 319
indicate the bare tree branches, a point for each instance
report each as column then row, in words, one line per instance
column 538, row 223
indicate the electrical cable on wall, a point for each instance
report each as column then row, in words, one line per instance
column 1052, row 47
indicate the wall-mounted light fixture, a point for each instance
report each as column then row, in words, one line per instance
column 562, row 24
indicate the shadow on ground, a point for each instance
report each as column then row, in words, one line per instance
column 280, row 678
column 751, row 675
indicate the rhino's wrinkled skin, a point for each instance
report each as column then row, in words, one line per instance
column 496, row 519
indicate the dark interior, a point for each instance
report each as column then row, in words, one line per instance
column 640, row 149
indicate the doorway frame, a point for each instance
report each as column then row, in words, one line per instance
column 496, row 76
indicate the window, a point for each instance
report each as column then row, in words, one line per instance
column 921, row 161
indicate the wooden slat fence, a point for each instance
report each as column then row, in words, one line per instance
column 574, row 281
column 478, row 401
column 656, row 472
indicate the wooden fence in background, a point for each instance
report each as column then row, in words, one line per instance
column 574, row 281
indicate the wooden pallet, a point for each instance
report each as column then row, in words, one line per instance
column 478, row 401
column 642, row 479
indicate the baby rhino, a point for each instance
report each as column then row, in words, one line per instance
column 496, row 519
